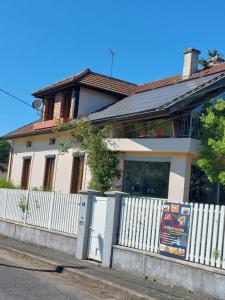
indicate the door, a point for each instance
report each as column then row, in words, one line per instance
column 97, row 228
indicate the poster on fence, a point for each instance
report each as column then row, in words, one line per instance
column 175, row 221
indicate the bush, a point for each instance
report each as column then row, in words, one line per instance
column 7, row 184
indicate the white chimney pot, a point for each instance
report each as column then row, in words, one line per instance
column 191, row 57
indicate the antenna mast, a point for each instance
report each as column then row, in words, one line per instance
column 112, row 52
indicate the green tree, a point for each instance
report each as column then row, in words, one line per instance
column 94, row 140
column 4, row 150
column 211, row 54
column 212, row 158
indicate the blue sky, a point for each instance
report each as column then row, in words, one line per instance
column 46, row 40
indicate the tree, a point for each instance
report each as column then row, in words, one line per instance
column 212, row 157
column 94, row 140
column 211, row 54
column 4, row 150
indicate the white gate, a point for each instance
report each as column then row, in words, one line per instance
column 97, row 228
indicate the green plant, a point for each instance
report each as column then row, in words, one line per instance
column 216, row 254
column 211, row 54
column 23, row 205
column 5, row 184
column 212, row 157
column 4, row 150
column 94, row 140
column 42, row 189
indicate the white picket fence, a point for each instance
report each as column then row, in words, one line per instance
column 140, row 229
column 50, row 210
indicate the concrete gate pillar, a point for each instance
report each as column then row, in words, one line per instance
column 85, row 210
column 112, row 223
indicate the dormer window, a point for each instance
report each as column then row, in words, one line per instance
column 49, row 109
column 66, row 106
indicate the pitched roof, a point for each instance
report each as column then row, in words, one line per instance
column 157, row 99
column 94, row 80
column 24, row 131
column 177, row 78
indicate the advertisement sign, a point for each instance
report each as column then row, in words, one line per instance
column 175, row 222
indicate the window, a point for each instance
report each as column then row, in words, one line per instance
column 49, row 172
column 25, row 173
column 52, row 141
column 77, row 175
column 28, row 144
column 145, row 178
column 66, row 105
column 49, row 109
column 203, row 191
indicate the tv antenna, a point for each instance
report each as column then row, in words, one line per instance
column 112, row 52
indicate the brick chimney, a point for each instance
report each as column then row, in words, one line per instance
column 190, row 62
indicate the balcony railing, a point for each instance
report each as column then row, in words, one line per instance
column 187, row 126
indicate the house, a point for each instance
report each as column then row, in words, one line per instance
column 156, row 128
column 35, row 160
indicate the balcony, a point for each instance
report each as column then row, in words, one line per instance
column 187, row 126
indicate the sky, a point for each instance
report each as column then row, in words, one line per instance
column 43, row 41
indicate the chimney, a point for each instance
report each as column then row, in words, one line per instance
column 190, row 62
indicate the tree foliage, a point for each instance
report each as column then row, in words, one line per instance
column 94, row 141
column 212, row 158
column 211, row 54
column 4, row 150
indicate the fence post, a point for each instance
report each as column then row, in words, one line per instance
column 51, row 210
column 5, row 205
column 85, row 210
column 112, row 225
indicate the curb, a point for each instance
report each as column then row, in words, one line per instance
column 93, row 279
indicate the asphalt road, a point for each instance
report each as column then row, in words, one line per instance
column 18, row 282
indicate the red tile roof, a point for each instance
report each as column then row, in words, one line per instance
column 177, row 78
column 90, row 79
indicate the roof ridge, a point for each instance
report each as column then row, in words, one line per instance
column 110, row 77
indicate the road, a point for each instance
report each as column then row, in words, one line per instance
column 21, row 283
column 27, row 280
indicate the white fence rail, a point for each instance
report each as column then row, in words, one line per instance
column 140, row 229
column 50, row 210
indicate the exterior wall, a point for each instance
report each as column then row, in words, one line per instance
column 38, row 152
column 169, row 271
column 91, row 101
column 157, row 145
column 58, row 103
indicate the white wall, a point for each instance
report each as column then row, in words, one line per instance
column 38, row 152
column 91, row 101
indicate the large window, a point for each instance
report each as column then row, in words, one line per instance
column 203, row 191
column 49, row 172
column 144, row 178
column 25, row 173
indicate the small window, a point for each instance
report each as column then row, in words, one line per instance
column 28, row 144
column 52, row 141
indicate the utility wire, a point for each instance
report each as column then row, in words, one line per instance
column 18, row 99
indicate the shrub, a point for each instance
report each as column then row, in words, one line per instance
column 7, row 184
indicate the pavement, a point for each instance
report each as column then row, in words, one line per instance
column 120, row 285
